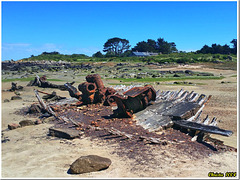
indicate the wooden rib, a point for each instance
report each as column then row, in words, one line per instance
column 202, row 98
column 213, row 122
column 194, row 97
column 189, row 95
column 206, row 120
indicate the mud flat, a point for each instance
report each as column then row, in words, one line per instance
column 29, row 151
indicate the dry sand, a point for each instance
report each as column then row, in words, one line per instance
column 30, row 153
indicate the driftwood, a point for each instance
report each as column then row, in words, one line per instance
column 51, row 112
column 43, row 105
column 150, row 140
column 119, row 133
column 52, row 96
column 42, row 82
column 112, row 131
column 68, row 119
column 154, row 140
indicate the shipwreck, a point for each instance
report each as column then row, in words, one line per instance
column 150, row 109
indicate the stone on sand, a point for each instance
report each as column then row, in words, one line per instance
column 16, row 98
column 90, row 163
column 26, row 123
column 64, row 133
column 13, row 126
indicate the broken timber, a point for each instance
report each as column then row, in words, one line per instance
column 42, row 82
column 180, row 108
column 115, row 131
column 51, row 112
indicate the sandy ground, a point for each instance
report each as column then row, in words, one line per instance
column 30, row 153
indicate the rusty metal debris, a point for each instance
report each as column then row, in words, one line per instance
column 131, row 101
column 134, row 100
column 93, row 91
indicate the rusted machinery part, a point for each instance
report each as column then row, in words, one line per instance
column 122, row 110
column 95, row 78
column 87, row 88
column 93, row 91
column 135, row 91
column 88, row 98
column 134, row 100
column 73, row 92
column 109, row 100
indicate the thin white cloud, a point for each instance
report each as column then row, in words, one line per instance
column 14, row 45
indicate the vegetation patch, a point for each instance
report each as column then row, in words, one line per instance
column 162, row 79
column 26, row 79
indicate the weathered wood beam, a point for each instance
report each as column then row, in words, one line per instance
column 203, row 128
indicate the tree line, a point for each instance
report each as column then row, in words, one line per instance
column 218, row 49
column 117, row 47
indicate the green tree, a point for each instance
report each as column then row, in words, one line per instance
column 165, row 47
column 234, row 49
column 160, row 46
column 116, row 46
column 215, row 49
column 98, row 54
column 205, row 49
column 126, row 53
column 143, row 46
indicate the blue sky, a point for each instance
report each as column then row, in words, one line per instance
column 30, row 28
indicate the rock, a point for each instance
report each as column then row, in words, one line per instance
column 38, row 121
column 16, row 98
column 64, row 133
column 6, row 100
column 17, row 93
column 189, row 72
column 91, row 163
column 49, row 119
column 26, row 123
column 176, row 75
column 13, row 126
